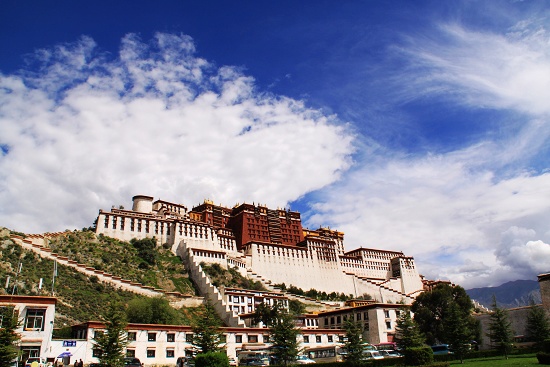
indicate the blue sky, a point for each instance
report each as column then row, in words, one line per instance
column 413, row 126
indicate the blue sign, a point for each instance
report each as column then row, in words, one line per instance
column 69, row 343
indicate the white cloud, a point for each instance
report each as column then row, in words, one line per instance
column 85, row 132
column 449, row 210
column 485, row 69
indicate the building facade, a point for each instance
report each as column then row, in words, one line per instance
column 36, row 315
column 269, row 243
column 378, row 320
column 161, row 345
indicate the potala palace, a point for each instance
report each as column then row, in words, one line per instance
column 269, row 244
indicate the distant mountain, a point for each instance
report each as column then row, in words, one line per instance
column 509, row 295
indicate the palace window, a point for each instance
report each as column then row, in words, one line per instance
column 130, row 353
column 170, row 353
column 317, row 338
column 388, row 325
column 189, row 337
column 306, row 339
column 238, row 338
column 35, row 319
column 150, row 353
column 131, row 336
column 170, row 337
column 152, row 337
column 330, row 339
column 253, row 338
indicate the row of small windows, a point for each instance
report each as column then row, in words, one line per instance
column 331, row 339
column 338, row 319
column 159, row 226
column 151, row 353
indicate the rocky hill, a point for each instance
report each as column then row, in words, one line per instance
column 509, row 295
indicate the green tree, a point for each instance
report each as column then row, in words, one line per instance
column 151, row 311
column 432, row 308
column 9, row 322
column 354, row 342
column 283, row 332
column 283, row 335
column 459, row 334
column 407, row 332
column 113, row 341
column 212, row 359
column 296, row 307
column 538, row 324
column 500, row 329
column 207, row 335
column 146, row 250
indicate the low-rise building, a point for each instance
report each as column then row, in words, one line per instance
column 378, row 320
column 161, row 345
column 243, row 301
column 36, row 315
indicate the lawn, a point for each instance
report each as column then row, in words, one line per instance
column 517, row 361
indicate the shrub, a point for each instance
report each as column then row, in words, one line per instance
column 419, row 356
column 543, row 357
column 212, row 359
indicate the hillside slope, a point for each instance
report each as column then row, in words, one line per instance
column 82, row 298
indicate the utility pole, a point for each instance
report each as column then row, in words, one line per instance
column 54, row 275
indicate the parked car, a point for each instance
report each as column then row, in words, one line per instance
column 304, row 360
column 132, row 362
column 441, row 349
column 372, row 354
column 41, row 361
column 233, row 362
column 389, row 353
column 185, row 362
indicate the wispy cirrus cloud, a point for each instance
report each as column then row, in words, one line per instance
column 453, row 210
column 82, row 131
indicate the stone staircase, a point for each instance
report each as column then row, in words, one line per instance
column 206, row 288
column 384, row 291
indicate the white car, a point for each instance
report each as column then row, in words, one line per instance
column 40, row 362
column 304, row 360
column 372, row 354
